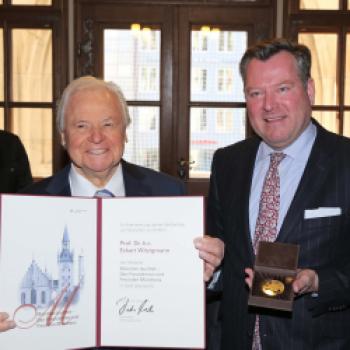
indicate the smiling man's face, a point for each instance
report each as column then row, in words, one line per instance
column 278, row 103
column 94, row 133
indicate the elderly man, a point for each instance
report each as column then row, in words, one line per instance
column 92, row 119
column 288, row 183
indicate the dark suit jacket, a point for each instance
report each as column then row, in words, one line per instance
column 138, row 181
column 315, row 323
column 14, row 165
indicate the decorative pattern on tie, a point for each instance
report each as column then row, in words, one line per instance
column 103, row 193
column 266, row 223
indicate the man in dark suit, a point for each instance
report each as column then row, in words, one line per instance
column 314, row 209
column 92, row 118
column 14, row 165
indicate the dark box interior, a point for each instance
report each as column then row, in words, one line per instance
column 275, row 265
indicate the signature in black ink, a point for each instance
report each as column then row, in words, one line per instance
column 125, row 306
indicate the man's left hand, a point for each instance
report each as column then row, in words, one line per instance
column 211, row 250
column 306, row 281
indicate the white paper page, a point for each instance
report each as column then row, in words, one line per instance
column 32, row 253
column 152, row 280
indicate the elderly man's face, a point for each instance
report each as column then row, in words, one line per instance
column 94, row 134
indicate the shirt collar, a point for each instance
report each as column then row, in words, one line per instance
column 81, row 187
column 296, row 150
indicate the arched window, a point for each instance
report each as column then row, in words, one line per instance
column 33, row 296
column 43, row 297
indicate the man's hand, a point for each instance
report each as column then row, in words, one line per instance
column 249, row 277
column 6, row 324
column 306, row 281
column 211, row 250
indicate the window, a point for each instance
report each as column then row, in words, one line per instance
column 319, row 4
column 33, row 296
column 199, row 120
column 29, row 45
column 149, row 40
column 226, row 41
column 225, row 80
column 200, row 41
column 201, row 162
column 199, row 79
column 148, row 119
column 224, row 121
column 224, row 85
column 329, row 44
column 143, row 137
column 149, row 82
column 138, row 75
column 43, row 297
column 172, row 80
column 32, row 2
column 151, row 157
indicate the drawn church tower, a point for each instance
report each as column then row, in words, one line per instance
column 65, row 260
column 38, row 287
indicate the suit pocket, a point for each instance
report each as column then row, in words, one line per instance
column 322, row 224
column 318, row 239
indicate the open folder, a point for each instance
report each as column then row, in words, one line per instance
column 85, row 272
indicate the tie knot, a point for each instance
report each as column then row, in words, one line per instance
column 103, row 193
column 276, row 158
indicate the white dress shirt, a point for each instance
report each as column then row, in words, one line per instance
column 290, row 169
column 81, row 187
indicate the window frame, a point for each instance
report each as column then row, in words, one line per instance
column 55, row 18
column 323, row 21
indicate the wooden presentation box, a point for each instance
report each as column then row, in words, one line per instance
column 274, row 271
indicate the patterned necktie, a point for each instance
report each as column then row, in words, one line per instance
column 103, row 194
column 266, row 223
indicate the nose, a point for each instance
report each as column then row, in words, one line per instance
column 96, row 135
column 269, row 101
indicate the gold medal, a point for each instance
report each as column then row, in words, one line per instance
column 272, row 287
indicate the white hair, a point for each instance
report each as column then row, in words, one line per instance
column 89, row 83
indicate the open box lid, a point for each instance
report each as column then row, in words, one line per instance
column 277, row 255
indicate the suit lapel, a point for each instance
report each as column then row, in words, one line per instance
column 59, row 184
column 240, row 193
column 311, row 182
column 134, row 181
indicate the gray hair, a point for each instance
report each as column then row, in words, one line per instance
column 89, row 83
column 266, row 49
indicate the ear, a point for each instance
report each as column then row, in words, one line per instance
column 310, row 89
column 63, row 139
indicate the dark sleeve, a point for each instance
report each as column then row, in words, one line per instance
column 214, row 213
column 22, row 168
column 214, row 224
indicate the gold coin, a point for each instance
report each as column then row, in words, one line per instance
column 272, row 287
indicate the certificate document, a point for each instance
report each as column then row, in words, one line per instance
column 116, row 272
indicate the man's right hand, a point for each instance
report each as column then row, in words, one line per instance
column 249, row 277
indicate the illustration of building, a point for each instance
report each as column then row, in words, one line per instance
column 40, row 289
